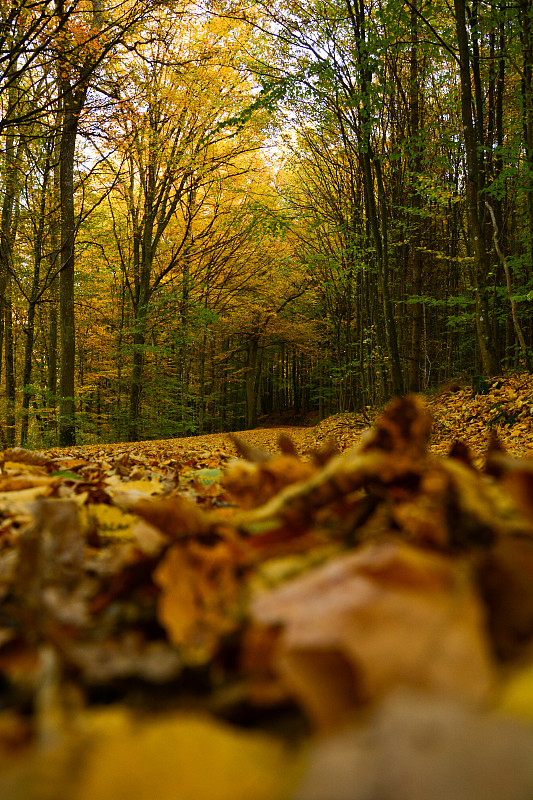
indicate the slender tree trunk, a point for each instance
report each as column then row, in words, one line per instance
column 184, row 356
column 10, row 376
column 143, row 250
column 144, row 272
column 139, row 341
column 252, row 380
column 377, row 211
column 72, row 105
column 508, row 279
column 120, row 357
column 27, row 390
column 473, row 186
column 388, row 310
column 526, row 22
column 415, row 206
column 12, row 155
column 53, row 316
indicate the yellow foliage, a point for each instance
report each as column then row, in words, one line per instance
column 517, row 694
column 183, row 756
column 110, row 521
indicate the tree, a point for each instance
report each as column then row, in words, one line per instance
column 84, row 44
column 474, row 186
column 175, row 153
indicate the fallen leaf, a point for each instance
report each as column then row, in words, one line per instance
column 177, row 517
column 110, row 522
column 252, row 485
column 136, row 488
column 363, row 623
column 422, row 747
column 186, row 757
column 516, row 696
column 21, row 500
column 505, row 575
column 199, row 596
column 21, row 455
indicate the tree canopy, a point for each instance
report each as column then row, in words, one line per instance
column 211, row 214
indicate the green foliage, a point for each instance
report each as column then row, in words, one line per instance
column 261, row 207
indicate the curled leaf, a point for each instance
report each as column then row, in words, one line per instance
column 199, row 596
column 386, row 615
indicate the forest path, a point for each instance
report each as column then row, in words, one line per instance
column 261, row 438
column 214, row 444
column 506, row 408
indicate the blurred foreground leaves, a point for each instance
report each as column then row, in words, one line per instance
column 354, row 626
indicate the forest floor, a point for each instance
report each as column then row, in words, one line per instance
column 344, row 612
column 505, row 408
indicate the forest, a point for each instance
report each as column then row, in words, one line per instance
column 212, row 214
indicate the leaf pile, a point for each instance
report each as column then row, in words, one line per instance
column 344, row 429
column 353, row 626
column 470, row 413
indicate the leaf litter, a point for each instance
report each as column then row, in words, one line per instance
column 318, row 619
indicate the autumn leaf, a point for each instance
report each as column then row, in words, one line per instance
column 177, row 517
column 109, row 521
column 416, row 746
column 363, row 623
column 404, row 428
column 505, row 576
column 199, row 596
column 253, row 484
column 183, row 756
column 113, row 754
column 516, row 696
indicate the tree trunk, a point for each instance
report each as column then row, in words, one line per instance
column 10, row 377
column 508, row 279
column 473, row 186
column 376, row 209
column 415, row 168
column 139, row 341
column 252, row 381
column 526, row 23
column 10, row 188
column 72, row 105
column 53, row 319
column 27, row 390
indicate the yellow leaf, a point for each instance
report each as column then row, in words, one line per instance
column 21, row 500
column 111, row 521
column 141, row 487
column 517, row 694
column 186, row 757
column 199, row 596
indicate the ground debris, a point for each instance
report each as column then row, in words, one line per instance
column 327, row 600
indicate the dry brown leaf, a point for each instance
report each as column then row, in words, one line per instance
column 255, row 455
column 506, row 581
column 52, row 549
column 199, row 596
column 420, row 747
column 253, row 485
column 403, row 428
column 23, row 456
column 387, row 615
column 21, row 482
column 184, row 756
column 177, row 517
